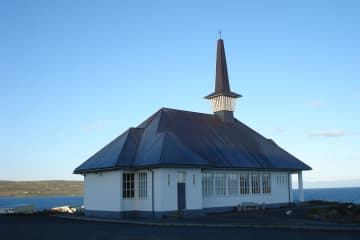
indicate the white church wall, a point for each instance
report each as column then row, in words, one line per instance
column 165, row 188
column 279, row 193
column 193, row 189
column 102, row 191
column 280, row 187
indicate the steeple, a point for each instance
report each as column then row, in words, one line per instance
column 222, row 100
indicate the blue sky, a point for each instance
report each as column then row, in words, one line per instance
column 76, row 74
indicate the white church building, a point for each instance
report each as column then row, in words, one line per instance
column 189, row 163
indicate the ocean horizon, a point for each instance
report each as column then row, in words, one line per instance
column 343, row 194
column 346, row 194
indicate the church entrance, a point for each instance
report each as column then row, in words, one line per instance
column 181, row 194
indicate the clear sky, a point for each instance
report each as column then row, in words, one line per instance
column 76, row 74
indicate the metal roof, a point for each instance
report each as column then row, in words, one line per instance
column 173, row 137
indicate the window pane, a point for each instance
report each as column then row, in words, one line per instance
column 255, row 181
column 207, row 184
column 220, row 183
column 181, row 177
column 244, row 183
column 266, row 183
column 128, row 185
column 142, row 185
column 233, row 184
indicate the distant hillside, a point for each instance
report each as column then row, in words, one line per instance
column 40, row 188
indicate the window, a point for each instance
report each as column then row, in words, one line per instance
column 233, row 183
column 194, row 179
column 220, row 183
column 128, row 185
column 282, row 180
column 142, row 185
column 207, row 184
column 244, row 183
column 168, row 179
column 255, row 183
column 181, row 177
column 266, row 183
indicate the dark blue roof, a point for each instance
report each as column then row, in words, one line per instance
column 175, row 138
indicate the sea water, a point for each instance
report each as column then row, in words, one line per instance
column 325, row 194
column 351, row 194
column 43, row 203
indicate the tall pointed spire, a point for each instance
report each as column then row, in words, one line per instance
column 222, row 86
column 222, row 99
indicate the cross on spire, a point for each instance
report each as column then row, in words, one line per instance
column 219, row 32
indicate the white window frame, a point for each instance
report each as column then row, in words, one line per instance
column 142, row 185
column 128, row 185
column 255, row 183
column 233, row 183
column 220, row 183
column 266, row 183
column 181, row 176
column 207, row 180
column 244, row 184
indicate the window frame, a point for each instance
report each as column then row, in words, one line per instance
column 233, row 183
column 142, row 185
column 128, row 183
column 181, row 176
column 255, row 183
column 266, row 183
column 207, row 180
column 244, row 183
column 220, row 183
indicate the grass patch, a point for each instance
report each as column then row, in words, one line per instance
column 40, row 188
column 335, row 212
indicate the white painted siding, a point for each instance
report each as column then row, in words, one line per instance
column 102, row 191
column 166, row 191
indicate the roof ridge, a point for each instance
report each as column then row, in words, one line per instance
column 186, row 111
column 180, row 143
column 149, row 119
column 126, row 144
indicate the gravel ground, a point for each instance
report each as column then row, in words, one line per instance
column 47, row 227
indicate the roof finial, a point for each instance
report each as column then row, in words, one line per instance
column 219, row 32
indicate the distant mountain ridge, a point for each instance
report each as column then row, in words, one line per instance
column 41, row 188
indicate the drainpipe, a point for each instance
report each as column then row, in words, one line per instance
column 152, row 193
column 289, row 187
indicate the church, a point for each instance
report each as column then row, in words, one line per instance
column 190, row 163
